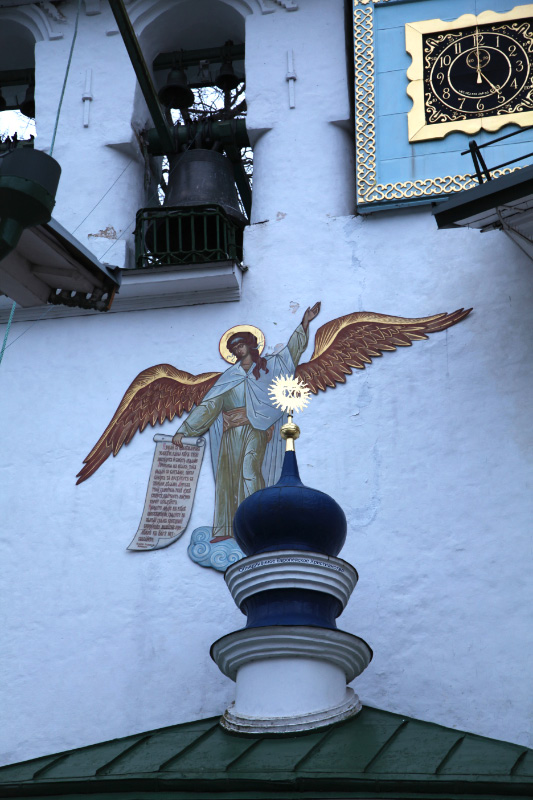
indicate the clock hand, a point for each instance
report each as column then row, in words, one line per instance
column 478, row 80
column 482, row 74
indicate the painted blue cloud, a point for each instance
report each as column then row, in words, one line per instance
column 218, row 555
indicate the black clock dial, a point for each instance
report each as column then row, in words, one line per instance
column 477, row 72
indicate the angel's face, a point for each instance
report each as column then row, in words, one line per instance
column 240, row 350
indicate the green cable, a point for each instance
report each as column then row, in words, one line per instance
column 66, row 78
column 7, row 331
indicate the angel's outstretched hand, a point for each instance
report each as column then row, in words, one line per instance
column 176, row 439
column 309, row 315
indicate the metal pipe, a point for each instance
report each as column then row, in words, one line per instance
column 231, row 132
column 512, row 161
column 192, row 58
column 143, row 75
column 241, row 178
column 493, row 141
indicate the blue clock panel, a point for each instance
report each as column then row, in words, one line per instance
column 430, row 77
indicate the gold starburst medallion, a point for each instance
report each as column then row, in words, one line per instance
column 290, row 394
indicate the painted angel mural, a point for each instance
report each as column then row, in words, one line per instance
column 236, row 410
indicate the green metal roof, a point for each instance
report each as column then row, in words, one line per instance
column 375, row 754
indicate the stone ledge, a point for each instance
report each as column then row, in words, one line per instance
column 163, row 287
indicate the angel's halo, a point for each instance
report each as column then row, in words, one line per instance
column 226, row 353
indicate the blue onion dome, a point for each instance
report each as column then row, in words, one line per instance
column 290, row 516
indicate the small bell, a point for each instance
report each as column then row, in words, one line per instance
column 226, row 78
column 27, row 107
column 3, row 102
column 176, row 92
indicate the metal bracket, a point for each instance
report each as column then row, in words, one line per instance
column 87, row 97
column 228, row 132
column 291, row 77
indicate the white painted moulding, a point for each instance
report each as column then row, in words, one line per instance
column 344, row 650
column 291, row 569
column 240, row 723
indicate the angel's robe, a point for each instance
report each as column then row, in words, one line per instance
column 249, row 456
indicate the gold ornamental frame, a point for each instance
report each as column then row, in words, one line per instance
column 369, row 192
column 416, row 118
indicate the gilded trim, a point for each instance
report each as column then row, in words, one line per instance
column 369, row 191
column 447, row 184
column 365, row 129
column 414, row 33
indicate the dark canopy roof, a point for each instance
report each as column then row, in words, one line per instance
column 508, row 198
column 375, row 754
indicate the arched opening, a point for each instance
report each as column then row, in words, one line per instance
column 17, row 82
column 195, row 50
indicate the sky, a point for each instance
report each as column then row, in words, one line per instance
column 14, row 122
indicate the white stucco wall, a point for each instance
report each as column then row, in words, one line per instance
column 426, row 450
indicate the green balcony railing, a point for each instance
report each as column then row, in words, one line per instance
column 168, row 236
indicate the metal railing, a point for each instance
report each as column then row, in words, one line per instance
column 482, row 171
column 173, row 236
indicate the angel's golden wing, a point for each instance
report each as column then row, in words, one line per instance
column 157, row 393
column 353, row 340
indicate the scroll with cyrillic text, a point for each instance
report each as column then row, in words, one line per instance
column 170, row 494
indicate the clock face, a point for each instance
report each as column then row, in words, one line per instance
column 481, row 71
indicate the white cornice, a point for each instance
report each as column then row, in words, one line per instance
column 344, row 650
column 291, row 569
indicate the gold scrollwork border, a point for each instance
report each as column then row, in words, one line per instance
column 369, row 191
column 447, row 184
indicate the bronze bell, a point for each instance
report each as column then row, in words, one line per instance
column 203, row 177
column 226, row 78
column 199, row 180
column 176, row 92
column 27, row 107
